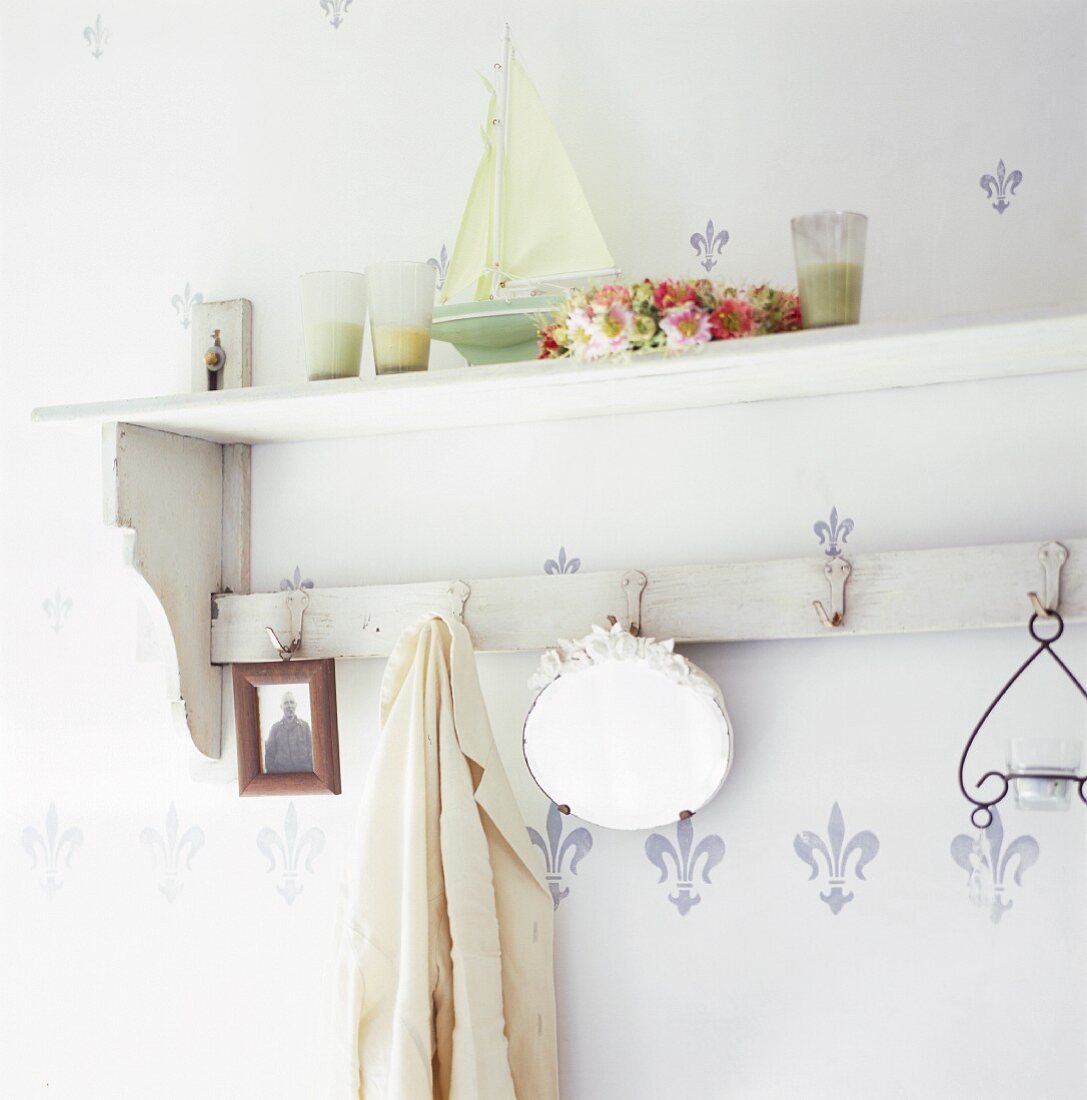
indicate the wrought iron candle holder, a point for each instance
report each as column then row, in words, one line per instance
column 982, row 814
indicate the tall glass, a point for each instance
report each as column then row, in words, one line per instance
column 829, row 251
column 401, row 310
column 333, row 322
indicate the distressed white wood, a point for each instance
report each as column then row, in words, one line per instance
column 804, row 364
column 963, row 588
column 234, row 320
column 237, row 511
column 167, row 491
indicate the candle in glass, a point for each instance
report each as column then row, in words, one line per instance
column 1048, row 756
column 829, row 251
column 333, row 323
column 401, row 309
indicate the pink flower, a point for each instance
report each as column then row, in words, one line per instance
column 731, row 319
column 608, row 296
column 667, row 294
column 616, row 326
column 592, row 335
column 581, row 335
column 685, row 327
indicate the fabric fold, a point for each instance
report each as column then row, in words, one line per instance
column 444, row 984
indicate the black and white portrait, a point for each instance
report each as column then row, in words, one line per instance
column 286, row 736
column 285, row 716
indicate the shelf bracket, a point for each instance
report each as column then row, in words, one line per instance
column 184, row 504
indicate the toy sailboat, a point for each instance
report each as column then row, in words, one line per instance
column 526, row 230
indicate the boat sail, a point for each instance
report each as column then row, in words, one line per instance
column 527, row 229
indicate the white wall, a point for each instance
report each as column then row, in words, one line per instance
column 230, row 147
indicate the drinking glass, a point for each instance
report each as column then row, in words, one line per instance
column 1047, row 755
column 333, row 322
column 829, row 251
column 401, row 310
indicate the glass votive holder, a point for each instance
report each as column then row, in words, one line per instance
column 333, row 323
column 829, row 251
column 401, row 311
column 1049, row 756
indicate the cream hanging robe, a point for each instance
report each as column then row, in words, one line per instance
column 444, row 984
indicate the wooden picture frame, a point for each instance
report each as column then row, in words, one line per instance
column 285, row 715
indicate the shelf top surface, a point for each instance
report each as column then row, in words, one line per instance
column 803, row 364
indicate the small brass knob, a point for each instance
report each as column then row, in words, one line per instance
column 212, row 359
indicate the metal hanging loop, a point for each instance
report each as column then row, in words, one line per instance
column 982, row 814
column 297, row 602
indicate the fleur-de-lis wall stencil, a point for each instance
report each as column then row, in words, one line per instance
column 865, row 844
column 53, row 846
column 97, row 37
column 833, row 533
column 441, row 266
column 290, row 848
column 335, row 10
column 1000, row 185
column 709, row 245
column 293, row 585
column 183, row 304
column 57, row 608
column 168, row 850
column 579, row 841
column 710, row 849
column 980, row 856
column 562, row 565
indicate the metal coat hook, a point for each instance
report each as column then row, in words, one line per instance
column 634, row 584
column 459, row 591
column 1052, row 556
column 837, row 572
column 297, row 602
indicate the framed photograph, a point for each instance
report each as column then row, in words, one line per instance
column 285, row 714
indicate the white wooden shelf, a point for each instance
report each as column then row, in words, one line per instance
column 802, row 364
column 176, row 474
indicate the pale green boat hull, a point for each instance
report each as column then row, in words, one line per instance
column 494, row 331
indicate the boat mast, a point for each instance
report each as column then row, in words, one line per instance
column 499, row 123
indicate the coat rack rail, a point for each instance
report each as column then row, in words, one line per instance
column 961, row 588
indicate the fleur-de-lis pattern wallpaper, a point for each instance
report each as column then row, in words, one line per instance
column 172, row 850
column 684, row 861
column 290, row 853
column 987, row 862
column 1002, row 186
column 562, row 564
column 440, row 263
column 833, row 535
column 577, row 844
column 336, row 11
column 51, row 851
column 295, row 582
column 835, row 851
column 183, row 304
column 97, row 37
column 709, row 244
column 58, row 607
